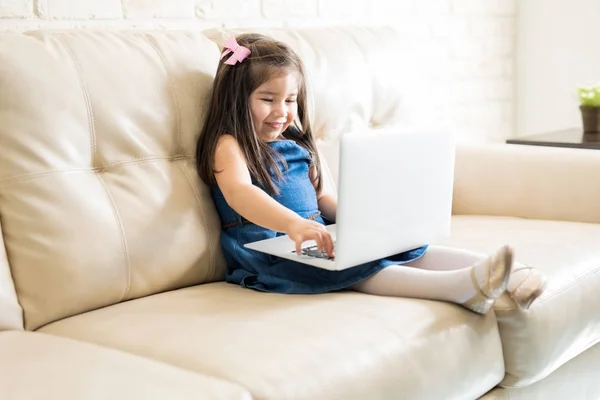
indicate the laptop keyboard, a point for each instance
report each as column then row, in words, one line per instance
column 312, row 251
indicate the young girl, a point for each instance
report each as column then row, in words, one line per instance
column 257, row 153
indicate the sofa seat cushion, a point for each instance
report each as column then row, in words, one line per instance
column 331, row 346
column 36, row 366
column 565, row 320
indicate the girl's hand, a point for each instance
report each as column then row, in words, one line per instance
column 302, row 230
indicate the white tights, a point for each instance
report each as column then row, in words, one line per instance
column 442, row 273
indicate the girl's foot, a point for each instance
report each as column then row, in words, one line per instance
column 526, row 284
column 490, row 278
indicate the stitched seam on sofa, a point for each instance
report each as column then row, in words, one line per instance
column 119, row 164
column 173, row 92
column 208, row 235
column 123, row 241
column 86, row 97
column 142, row 160
column 560, row 290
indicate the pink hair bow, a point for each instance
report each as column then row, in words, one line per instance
column 239, row 53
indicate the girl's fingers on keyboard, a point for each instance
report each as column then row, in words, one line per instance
column 330, row 247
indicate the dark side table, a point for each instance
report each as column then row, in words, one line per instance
column 572, row 138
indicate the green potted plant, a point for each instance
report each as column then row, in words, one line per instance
column 589, row 104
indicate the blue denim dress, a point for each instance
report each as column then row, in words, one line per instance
column 264, row 272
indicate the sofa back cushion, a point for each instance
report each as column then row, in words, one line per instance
column 99, row 197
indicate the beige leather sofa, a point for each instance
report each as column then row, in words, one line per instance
column 111, row 276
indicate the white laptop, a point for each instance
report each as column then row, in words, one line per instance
column 394, row 195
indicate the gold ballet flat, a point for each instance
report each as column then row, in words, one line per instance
column 496, row 281
column 529, row 288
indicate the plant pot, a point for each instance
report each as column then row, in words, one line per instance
column 591, row 119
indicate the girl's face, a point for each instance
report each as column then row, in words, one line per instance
column 273, row 106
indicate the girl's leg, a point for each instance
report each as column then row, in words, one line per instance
column 524, row 285
column 443, row 258
column 474, row 285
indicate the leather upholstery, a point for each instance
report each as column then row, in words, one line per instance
column 37, row 366
column 333, row 346
column 554, row 184
column 565, row 321
column 577, row 379
column 101, row 202
column 11, row 314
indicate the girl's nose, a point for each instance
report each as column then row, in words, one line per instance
column 280, row 110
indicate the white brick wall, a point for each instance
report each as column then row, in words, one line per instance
column 16, row 8
column 459, row 53
column 140, row 9
column 78, row 9
column 289, row 8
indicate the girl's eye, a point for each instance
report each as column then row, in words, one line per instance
column 267, row 100
column 290, row 101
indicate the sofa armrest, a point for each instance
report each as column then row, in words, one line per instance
column 528, row 182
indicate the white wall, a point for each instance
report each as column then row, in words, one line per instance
column 459, row 52
column 557, row 50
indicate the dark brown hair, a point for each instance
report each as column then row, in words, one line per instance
column 229, row 111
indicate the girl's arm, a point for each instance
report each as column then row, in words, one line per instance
column 327, row 201
column 257, row 206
